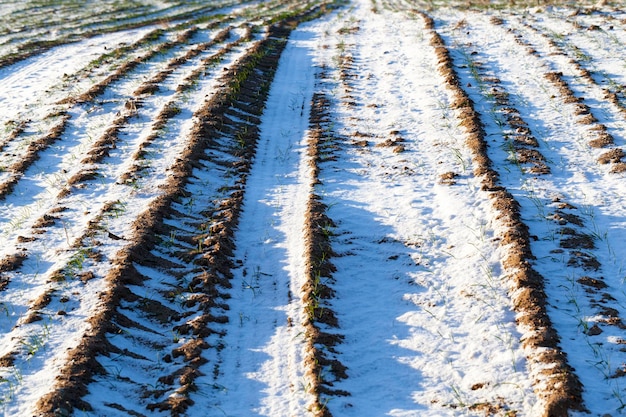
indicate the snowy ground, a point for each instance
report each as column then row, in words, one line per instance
column 208, row 311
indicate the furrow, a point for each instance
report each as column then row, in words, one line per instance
column 409, row 270
column 31, row 153
column 108, row 224
column 83, row 124
column 171, row 14
column 19, row 218
column 572, row 250
column 564, row 77
column 59, row 79
column 322, row 325
column 186, row 350
column 559, row 387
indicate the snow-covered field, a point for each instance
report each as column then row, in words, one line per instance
column 290, row 208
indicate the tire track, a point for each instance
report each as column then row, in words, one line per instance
column 253, row 370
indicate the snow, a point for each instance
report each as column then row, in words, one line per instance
column 418, row 283
column 423, row 301
column 31, row 80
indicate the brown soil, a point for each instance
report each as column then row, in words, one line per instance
column 319, row 253
column 612, row 156
column 448, row 178
column 7, row 360
column 17, row 128
column 11, row 262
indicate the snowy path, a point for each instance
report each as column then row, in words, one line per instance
column 260, row 370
